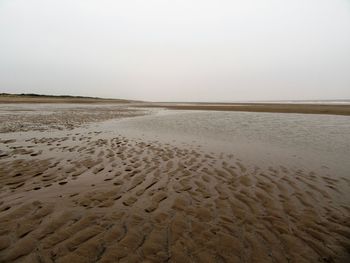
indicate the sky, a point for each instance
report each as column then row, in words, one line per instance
column 177, row 50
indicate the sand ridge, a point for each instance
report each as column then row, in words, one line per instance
column 93, row 197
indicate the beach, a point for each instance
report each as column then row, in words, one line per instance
column 137, row 183
column 331, row 107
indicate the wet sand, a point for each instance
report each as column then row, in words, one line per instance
column 259, row 107
column 59, row 116
column 96, row 195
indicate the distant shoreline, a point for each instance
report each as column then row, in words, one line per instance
column 259, row 107
column 273, row 107
column 38, row 98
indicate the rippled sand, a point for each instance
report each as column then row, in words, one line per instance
column 92, row 195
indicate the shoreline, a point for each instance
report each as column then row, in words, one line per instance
column 100, row 193
column 270, row 107
column 259, row 107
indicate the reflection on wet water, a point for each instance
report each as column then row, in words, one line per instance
column 323, row 136
column 319, row 132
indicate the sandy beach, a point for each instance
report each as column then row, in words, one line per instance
column 77, row 186
column 174, row 131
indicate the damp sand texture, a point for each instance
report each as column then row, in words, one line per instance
column 89, row 194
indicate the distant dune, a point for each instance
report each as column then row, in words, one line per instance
column 39, row 98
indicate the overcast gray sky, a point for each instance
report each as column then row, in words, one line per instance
column 177, row 50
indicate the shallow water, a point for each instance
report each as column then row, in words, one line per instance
column 309, row 139
column 318, row 132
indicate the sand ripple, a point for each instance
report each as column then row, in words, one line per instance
column 91, row 198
